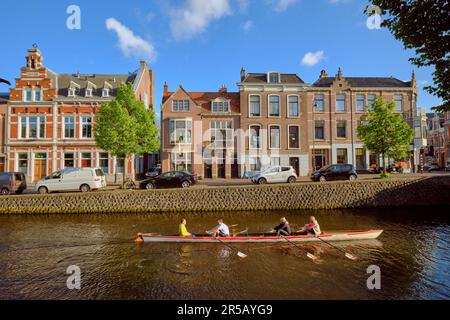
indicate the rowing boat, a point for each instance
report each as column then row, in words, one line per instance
column 265, row 238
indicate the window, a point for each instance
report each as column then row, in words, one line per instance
column 2, row 164
column 86, row 127
column 220, row 107
column 105, row 93
column 275, row 161
column 255, row 163
column 37, row 95
column 23, row 163
column 222, row 134
column 255, row 137
column 31, row 127
column 320, row 130
column 181, row 162
column 88, row 92
column 360, row 103
column 120, row 165
column 274, row 106
column 71, row 92
column 180, row 131
column 28, row 95
column 319, row 104
column 371, row 98
column 69, row 127
column 342, row 129
column 360, row 159
column 398, row 99
column 275, row 137
column 180, row 105
column 274, row 77
column 293, row 106
column 69, row 160
column 103, row 162
column 86, row 160
column 294, row 137
column 342, row 156
column 255, row 106
column 340, row 103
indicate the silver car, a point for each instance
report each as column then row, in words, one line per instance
column 277, row 174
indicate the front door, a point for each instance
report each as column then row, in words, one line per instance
column 40, row 167
column 319, row 161
column 208, row 171
column 295, row 163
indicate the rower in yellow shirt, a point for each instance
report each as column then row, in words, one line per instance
column 183, row 230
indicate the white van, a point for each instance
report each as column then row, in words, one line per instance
column 84, row 180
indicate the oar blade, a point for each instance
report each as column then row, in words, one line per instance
column 242, row 255
column 351, row 256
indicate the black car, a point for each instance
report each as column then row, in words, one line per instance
column 335, row 172
column 174, row 179
column 12, row 182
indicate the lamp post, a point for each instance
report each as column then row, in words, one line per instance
column 314, row 135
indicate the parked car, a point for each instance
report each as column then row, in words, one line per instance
column 12, row 182
column 174, row 179
column 335, row 172
column 277, row 174
column 434, row 167
column 154, row 172
column 67, row 180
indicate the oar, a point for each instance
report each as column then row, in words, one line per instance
column 308, row 254
column 240, row 254
column 347, row 255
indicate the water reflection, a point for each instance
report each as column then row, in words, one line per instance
column 36, row 251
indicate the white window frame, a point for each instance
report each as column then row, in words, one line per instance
column 288, row 111
column 271, row 73
column 186, row 131
column 72, row 92
column 298, row 137
column 187, row 159
column 184, row 101
column 27, row 127
column 223, row 101
column 89, row 92
column 250, row 145
column 102, row 158
column 346, row 129
column 270, row 137
column 269, row 106
column 105, row 92
column 364, row 103
column 35, row 91
column 336, row 103
column 402, row 101
column 250, row 115
column 315, row 102
column 218, row 126
column 64, row 127
column 82, row 123
column 27, row 91
column 369, row 105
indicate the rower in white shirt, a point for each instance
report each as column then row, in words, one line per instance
column 222, row 230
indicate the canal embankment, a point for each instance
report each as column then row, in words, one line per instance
column 432, row 191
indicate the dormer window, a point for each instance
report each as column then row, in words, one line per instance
column 88, row 92
column 72, row 93
column 274, row 77
column 221, row 106
column 105, row 92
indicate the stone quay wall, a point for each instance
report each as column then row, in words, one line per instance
column 431, row 191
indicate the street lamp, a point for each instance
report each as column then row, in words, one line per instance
column 314, row 134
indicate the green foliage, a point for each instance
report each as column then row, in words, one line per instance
column 424, row 26
column 123, row 126
column 385, row 132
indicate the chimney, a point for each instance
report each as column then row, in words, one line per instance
column 166, row 89
column 223, row 89
column 339, row 75
column 243, row 75
column 143, row 64
column 323, row 74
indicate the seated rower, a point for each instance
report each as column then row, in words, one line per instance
column 312, row 228
column 283, row 229
column 222, row 230
column 183, row 230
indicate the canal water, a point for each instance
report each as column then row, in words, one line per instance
column 413, row 256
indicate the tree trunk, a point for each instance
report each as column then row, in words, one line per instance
column 384, row 164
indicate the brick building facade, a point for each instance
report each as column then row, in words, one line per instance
column 51, row 119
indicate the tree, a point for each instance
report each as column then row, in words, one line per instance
column 424, row 26
column 385, row 132
column 124, row 127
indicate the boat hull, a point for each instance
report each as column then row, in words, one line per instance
column 331, row 237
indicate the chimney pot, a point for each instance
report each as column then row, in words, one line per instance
column 323, row 74
column 243, row 75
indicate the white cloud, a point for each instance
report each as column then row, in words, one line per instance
column 312, row 58
column 195, row 16
column 282, row 5
column 129, row 43
column 248, row 26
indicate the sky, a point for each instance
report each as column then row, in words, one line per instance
column 203, row 44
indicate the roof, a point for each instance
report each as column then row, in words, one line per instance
column 4, row 97
column 262, row 78
column 365, row 82
column 204, row 99
column 64, row 82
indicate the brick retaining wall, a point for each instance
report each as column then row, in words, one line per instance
column 339, row 195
